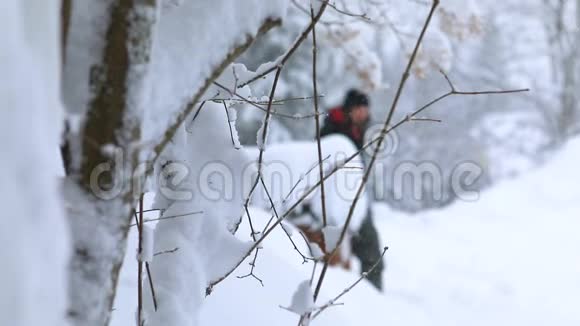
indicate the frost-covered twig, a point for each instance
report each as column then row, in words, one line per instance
column 182, row 116
column 230, row 126
column 257, row 104
column 376, row 150
column 362, row 16
column 274, row 102
column 282, row 60
column 262, row 141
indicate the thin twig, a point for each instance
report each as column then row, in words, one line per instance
column 230, row 125
column 195, row 116
column 425, row 119
column 302, row 178
column 256, row 105
column 140, row 265
column 362, row 16
column 259, row 174
column 364, row 275
column 317, row 120
column 170, row 251
column 251, row 273
column 150, row 278
column 168, row 217
column 247, row 203
column 305, row 259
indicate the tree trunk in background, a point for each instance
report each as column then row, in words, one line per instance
column 567, row 43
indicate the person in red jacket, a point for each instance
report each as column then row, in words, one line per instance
column 352, row 120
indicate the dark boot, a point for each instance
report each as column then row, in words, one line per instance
column 366, row 247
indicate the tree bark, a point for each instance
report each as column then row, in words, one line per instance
column 99, row 227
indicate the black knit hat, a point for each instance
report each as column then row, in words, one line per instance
column 354, row 98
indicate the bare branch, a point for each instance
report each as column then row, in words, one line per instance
column 170, row 251
column 316, row 119
column 195, row 116
column 150, row 278
column 250, row 274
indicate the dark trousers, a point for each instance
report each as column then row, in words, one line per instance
column 367, row 248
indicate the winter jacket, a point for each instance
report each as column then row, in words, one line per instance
column 338, row 122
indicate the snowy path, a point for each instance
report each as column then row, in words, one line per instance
column 512, row 258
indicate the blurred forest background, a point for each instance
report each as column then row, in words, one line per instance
column 480, row 45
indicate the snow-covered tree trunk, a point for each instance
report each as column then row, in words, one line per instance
column 108, row 49
column 130, row 82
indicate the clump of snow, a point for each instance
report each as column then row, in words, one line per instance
column 287, row 228
column 35, row 251
column 212, row 183
column 190, row 42
column 302, row 299
column 315, row 251
column 331, row 236
column 147, row 245
column 262, row 135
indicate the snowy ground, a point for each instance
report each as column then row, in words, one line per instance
column 511, row 258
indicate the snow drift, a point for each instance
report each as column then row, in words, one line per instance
column 34, row 236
